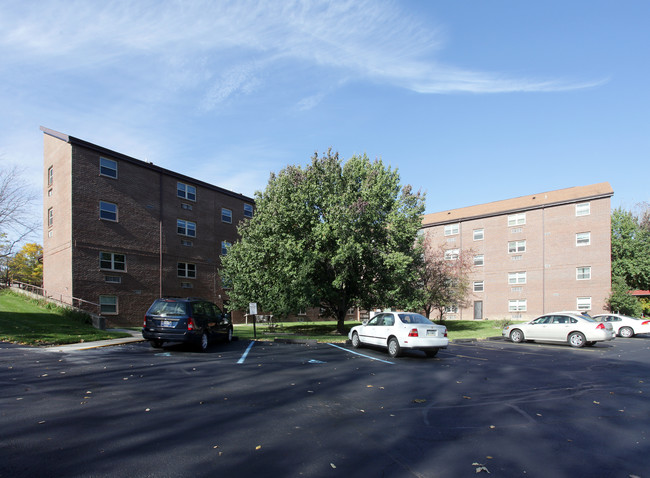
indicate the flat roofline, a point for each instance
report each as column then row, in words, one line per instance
column 123, row 157
column 521, row 204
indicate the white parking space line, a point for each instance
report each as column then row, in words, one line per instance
column 362, row 355
column 248, row 349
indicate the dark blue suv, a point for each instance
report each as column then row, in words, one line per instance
column 189, row 320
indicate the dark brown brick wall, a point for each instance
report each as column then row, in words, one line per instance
column 146, row 232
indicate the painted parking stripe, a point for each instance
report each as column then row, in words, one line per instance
column 248, row 349
column 363, row 355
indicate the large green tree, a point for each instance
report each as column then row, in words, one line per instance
column 621, row 301
column 333, row 235
column 630, row 249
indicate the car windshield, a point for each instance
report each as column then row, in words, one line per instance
column 167, row 308
column 414, row 319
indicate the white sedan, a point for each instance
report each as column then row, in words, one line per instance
column 624, row 325
column 396, row 331
column 577, row 330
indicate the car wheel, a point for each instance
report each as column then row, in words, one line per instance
column 229, row 338
column 394, row 350
column 517, row 336
column 577, row 339
column 203, row 345
column 431, row 352
column 156, row 344
column 626, row 332
column 356, row 343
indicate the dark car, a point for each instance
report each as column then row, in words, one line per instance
column 189, row 320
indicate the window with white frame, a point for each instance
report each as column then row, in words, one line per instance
column 50, row 217
column 224, row 247
column 113, row 279
column 187, row 270
column 478, row 286
column 112, row 261
column 583, row 238
column 185, row 191
column 517, row 277
column 452, row 229
column 452, row 254
column 50, row 175
column 248, row 210
column 226, row 215
column 583, row 303
column 479, row 260
column 452, row 309
column 186, row 228
column 517, row 219
column 108, row 304
column 516, row 247
column 479, row 234
column 108, row 168
column 108, row 211
column 583, row 273
column 583, row 209
column 517, row 305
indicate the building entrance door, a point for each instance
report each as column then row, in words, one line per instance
column 478, row 310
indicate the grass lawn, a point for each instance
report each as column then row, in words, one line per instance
column 30, row 322
column 325, row 331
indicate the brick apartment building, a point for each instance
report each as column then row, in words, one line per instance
column 533, row 254
column 120, row 232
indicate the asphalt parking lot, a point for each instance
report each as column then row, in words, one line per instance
column 267, row 409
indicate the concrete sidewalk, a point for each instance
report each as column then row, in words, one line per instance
column 136, row 336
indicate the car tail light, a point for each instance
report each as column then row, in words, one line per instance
column 414, row 333
column 600, row 326
column 645, row 322
column 190, row 323
column 144, row 322
column 445, row 332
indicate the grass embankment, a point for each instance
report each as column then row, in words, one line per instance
column 325, row 331
column 35, row 322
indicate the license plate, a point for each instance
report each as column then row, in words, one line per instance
column 432, row 332
column 166, row 323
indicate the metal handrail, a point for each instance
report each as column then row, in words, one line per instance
column 74, row 302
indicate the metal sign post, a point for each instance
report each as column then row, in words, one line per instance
column 252, row 310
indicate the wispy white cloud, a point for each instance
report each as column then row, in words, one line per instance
column 242, row 79
column 227, row 48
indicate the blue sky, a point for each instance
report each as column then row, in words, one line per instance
column 472, row 101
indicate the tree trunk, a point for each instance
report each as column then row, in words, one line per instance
column 340, row 321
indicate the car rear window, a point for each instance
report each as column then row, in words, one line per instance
column 414, row 319
column 167, row 308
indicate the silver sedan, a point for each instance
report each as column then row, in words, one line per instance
column 396, row 331
column 576, row 330
column 624, row 325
